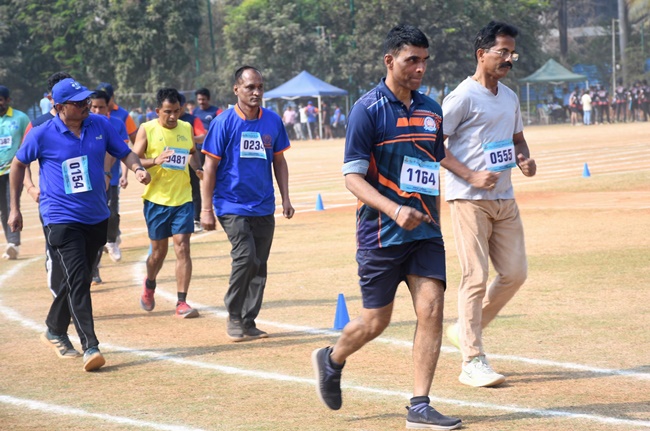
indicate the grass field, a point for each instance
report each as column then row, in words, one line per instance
column 573, row 343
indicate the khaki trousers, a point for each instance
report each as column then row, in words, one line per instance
column 486, row 230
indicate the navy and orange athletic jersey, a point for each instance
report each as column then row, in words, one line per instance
column 381, row 133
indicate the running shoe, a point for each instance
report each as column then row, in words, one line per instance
column 328, row 379
column 427, row 418
column 183, row 310
column 93, row 359
column 147, row 300
column 478, row 373
column 11, row 252
column 235, row 330
column 61, row 344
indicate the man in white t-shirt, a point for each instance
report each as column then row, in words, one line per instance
column 482, row 120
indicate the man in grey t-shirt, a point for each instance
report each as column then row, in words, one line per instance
column 482, row 121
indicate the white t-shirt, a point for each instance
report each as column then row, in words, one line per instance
column 586, row 102
column 472, row 117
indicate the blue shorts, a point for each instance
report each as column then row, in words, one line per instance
column 382, row 269
column 163, row 221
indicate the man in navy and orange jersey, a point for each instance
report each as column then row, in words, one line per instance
column 244, row 147
column 393, row 148
column 119, row 112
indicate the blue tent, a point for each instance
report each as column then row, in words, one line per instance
column 306, row 85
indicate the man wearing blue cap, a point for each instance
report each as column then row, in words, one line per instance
column 12, row 129
column 71, row 150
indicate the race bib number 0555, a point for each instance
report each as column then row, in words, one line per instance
column 499, row 156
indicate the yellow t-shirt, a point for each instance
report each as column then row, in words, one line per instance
column 170, row 182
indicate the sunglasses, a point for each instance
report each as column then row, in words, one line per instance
column 79, row 104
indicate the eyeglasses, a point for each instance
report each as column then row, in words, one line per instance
column 504, row 54
column 79, row 104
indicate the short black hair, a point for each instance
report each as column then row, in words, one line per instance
column 404, row 34
column 239, row 72
column 100, row 94
column 203, row 92
column 55, row 78
column 486, row 38
column 169, row 94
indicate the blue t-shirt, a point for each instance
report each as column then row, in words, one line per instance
column 116, row 169
column 245, row 150
column 206, row 116
column 381, row 135
column 63, row 156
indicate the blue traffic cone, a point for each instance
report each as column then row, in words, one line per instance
column 319, row 203
column 342, row 317
column 585, row 171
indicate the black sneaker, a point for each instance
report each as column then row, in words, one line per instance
column 235, row 330
column 61, row 344
column 429, row 419
column 252, row 332
column 93, row 359
column 328, row 379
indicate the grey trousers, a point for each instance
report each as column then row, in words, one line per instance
column 251, row 239
column 12, row 237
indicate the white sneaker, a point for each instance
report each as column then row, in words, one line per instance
column 197, row 226
column 114, row 251
column 478, row 373
column 12, row 252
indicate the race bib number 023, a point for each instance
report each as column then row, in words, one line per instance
column 251, row 146
column 75, row 175
column 499, row 156
column 419, row 176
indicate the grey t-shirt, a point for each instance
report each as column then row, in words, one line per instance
column 473, row 116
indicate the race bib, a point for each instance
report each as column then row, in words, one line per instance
column 251, row 146
column 178, row 160
column 420, row 176
column 75, row 175
column 5, row 141
column 499, row 156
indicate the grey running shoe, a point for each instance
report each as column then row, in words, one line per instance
column 328, row 379
column 253, row 333
column 235, row 330
column 427, row 418
column 93, row 359
column 61, row 344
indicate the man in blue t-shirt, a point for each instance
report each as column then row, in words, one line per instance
column 393, row 148
column 71, row 151
column 243, row 146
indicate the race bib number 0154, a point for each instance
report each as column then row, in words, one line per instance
column 499, row 156
column 419, row 176
column 75, row 175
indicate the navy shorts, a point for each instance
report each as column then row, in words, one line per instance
column 163, row 221
column 382, row 269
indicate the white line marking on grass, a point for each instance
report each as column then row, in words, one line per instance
column 221, row 313
column 265, row 375
column 72, row 411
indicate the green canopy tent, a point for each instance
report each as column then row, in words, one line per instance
column 551, row 72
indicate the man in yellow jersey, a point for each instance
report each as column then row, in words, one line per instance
column 166, row 146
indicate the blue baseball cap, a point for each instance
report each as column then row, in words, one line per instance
column 69, row 90
column 4, row 91
column 107, row 88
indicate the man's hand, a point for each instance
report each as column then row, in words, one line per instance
column 142, row 176
column 163, row 157
column 484, row 179
column 35, row 193
column 124, row 182
column 208, row 221
column 287, row 209
column 199, row 174
column 15, row 221
column 409, row 218
column 528, row 166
